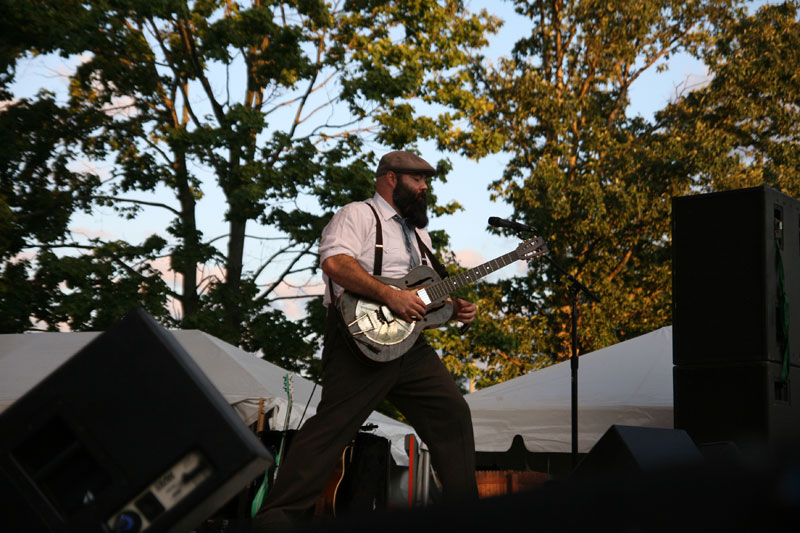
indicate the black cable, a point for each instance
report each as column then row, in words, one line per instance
column 307, row 403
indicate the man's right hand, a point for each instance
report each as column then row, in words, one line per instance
column 405, row 304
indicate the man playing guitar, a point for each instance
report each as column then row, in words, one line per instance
column 383, row 236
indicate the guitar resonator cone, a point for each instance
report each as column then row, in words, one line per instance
column 373, row 324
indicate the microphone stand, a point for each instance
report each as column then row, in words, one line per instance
column 575, row 288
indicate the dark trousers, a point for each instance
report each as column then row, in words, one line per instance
column 418, row 384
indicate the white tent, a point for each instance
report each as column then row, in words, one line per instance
column 629, row 383
column 241, row 377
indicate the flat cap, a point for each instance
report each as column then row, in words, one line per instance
column 401, row 161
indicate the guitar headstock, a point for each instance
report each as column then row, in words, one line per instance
column 532, row 248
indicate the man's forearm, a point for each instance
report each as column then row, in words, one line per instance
column 346, row 272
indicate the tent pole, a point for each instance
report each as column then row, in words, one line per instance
column 573, row 291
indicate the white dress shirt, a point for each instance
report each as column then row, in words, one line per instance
column 351, row 231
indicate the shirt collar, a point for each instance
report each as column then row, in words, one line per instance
column 386, row 211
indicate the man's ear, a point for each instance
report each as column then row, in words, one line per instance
column 392, row 178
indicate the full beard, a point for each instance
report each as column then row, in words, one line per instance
column 413, row 207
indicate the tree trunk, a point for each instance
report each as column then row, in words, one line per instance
column 187, row 265
column 233, row 275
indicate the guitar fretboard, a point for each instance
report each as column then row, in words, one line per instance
column 442, row 289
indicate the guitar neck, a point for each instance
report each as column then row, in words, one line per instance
column 442, row 289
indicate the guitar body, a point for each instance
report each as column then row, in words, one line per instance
column 381, row 337
column 346, row 470
column 378, row 334
column 330, row 501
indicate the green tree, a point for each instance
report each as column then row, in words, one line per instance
column 742, row 129
column 275, row 106
column 589, row 177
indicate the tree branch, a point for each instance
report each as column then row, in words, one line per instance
column 191, row 52
column 294, row 297
column 255, row 237
column 285, row 273
column 133, row 201
column 272, row 258
column 127, row 268
column 60, row 245
column 621, row 264
column 625, row 85
column 180, row 82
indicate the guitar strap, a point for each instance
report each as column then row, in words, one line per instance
column 437, row 266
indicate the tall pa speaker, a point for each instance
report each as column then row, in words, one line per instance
column 729, row 301
column 736, row 338
column 127, row 435
column 632, row 450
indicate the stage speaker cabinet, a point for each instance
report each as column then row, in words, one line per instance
column 632, row 450
column 749, row 404
column 728, row 302
column 127, row 435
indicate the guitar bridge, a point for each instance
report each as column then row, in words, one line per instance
column 386, row 314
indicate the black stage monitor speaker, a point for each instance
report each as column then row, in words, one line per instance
column 127, row 435
column 633, row 450
column 728, row 297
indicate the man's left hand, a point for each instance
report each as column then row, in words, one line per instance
column 464, row 311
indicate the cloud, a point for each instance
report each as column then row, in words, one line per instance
column 91, row 233
column 39, row 325
column 469, row 258
column 85, row 165
column 7, row 103
column 64, row 70
column 295, row 308
column 85, row 57
column 22, row 256
column 162, row 265
column 121, row 106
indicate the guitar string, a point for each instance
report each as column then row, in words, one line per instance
column 438, row 290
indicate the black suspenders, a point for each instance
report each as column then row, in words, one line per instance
column 424, row 250
column 377, row 264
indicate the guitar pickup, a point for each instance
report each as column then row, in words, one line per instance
column 423, row 295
